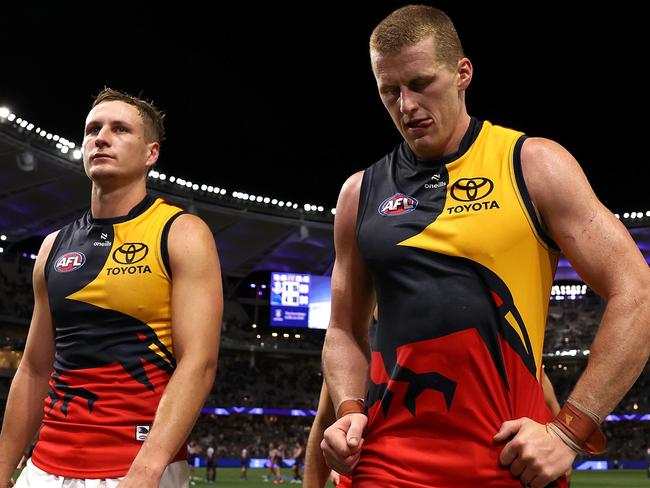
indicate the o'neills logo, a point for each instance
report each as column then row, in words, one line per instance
column 129, row 254
column 70, row 261
column 398, row 204
column 468, row 191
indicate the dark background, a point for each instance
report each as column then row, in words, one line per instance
column 280, row 101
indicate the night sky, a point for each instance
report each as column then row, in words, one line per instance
column 281, row 102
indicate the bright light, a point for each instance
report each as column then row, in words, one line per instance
column 254, row 326
column 333, row 211
column 285, row 335
column 626, row 215
column 3, row 237
column 259, row 336
column 1, row 250
column 204, row 187
column 76, row 154
column 307, row 207
column 4, row 112
column 297, row 336
column 274, row 334
column 274, row 201
column 320, row 208
column 194, row 187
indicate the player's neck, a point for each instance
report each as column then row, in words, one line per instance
column 107, row 203
column 462, row 126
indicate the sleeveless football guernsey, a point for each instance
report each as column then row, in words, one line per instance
column 462, row 270
column 109, row 289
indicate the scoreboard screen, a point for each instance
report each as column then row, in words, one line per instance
column 300, row 300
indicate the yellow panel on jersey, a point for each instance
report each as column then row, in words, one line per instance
column 485, row 220
column 134, row 279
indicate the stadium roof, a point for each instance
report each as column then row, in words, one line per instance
column 43, row 187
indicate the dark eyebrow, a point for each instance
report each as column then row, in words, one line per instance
column 113, row 123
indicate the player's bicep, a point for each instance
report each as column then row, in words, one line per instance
column 352, row 292
column 594, row 241
column 197, row 297
column 38, row 356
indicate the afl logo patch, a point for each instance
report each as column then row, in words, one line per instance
column 398, row 204
column 70, row 261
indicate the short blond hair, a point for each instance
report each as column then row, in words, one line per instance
column 152, row 118
column 408, row 25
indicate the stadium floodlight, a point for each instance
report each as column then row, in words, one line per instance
column 274, row 334
column 333, row 211
column 11, row 117
column 626, row 215
column 204, row 187
column 76, row 154
column 4, row 112
column 3, row 237
column 1, row 250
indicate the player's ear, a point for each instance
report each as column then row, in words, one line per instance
column 465, row 72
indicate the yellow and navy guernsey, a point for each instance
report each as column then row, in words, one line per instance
column 109, row 288
column 462, row 270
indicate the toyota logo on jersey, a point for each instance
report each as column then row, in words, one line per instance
column 70, row 261
column 398, row 204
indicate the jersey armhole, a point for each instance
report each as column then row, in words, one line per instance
column 51, row 254
column 164, row 250
column 364, row 195
column 526, row 202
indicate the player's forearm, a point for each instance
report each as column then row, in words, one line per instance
column 177, row 412
column 22, row 418
column 346, row 365
column 618, row 354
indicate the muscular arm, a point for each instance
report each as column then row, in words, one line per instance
column 316, row 470
column 607, row 259
column 346, row 350
column 197, row 305
column 24, row 410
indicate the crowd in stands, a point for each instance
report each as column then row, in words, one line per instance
column 230, row 434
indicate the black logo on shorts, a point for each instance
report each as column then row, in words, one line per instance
column 130, row 253
column 471, row 189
